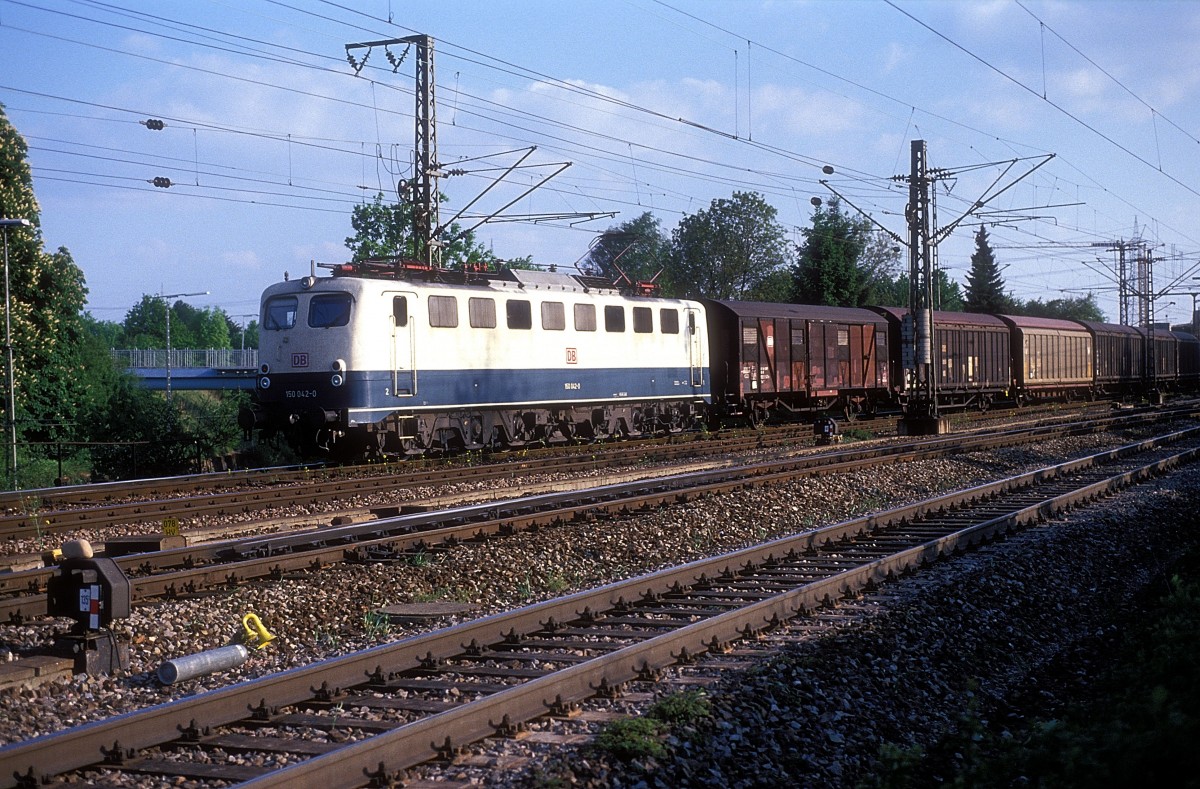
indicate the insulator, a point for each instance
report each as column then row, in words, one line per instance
column 161, row 182
column 154, row 124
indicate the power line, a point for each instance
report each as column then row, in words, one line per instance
column 1053, row 104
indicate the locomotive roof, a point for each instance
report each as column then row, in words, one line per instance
column 943, row 317
column 811, row 312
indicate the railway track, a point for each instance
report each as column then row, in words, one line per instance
column 429, row 696
column 35, row 513
column 188, row 499
column 396, row 537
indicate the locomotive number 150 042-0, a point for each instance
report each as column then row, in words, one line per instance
column 298, row 393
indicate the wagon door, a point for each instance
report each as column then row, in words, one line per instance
column 695, row 347
column 403, row 351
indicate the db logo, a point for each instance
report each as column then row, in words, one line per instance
column 572, row 358
column 299, row 360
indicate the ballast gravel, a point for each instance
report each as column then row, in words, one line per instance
column 910, row 669
column 1016, row 630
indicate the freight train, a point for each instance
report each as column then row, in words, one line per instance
column 379, row 361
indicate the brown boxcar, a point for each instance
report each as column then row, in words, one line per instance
column 1120, row 357
column 1051, row 357
column 768, row 357
column 1166, row 359
column 1189, row 360
column 971, row 356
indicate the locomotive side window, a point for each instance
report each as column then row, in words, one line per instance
column 669, row 320
column 614, row 318
column 280, row 313
column 443, row 312
column 399, row 311
column 643, row 320
column 519, row 314
column 483, row 313
column 585, row 317
column 553, row 316
column 327, row 310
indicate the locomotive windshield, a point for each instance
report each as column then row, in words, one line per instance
column 327, row 310
column 280, row 312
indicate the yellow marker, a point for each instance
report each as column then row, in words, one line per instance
column 171, row 527
column 257, row 635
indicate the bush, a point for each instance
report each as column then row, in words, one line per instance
column 633, row 738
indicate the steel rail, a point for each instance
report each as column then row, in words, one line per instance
column 223, row 565
column 390, row 752
column 101, row 504
column 259, row 490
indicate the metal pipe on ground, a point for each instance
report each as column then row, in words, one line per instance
column 201, row 663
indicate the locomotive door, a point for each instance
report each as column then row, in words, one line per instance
column 403, row 351
column 695, row 347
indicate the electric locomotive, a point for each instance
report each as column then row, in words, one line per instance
column 371, row 361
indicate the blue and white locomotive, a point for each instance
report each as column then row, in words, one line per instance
column 372, row 361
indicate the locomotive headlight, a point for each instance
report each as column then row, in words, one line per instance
column 264, row 368
column 336, row 380
column 338, row 366
column 264, row 383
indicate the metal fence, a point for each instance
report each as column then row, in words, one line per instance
column 156, row 358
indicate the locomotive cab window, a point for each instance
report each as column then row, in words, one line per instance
column 443, row 312
column 519, row 314
column 668, row 320
column 614, row 318
column 643, row 320
column 399, row 311
column 327, row 310
column 585, row 317
column 483, row 313
column 554, row 317
column 280, row 312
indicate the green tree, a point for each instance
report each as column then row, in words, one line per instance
column 212, row 329
column 628, row 253
column 776, row 287
column 831, row 267
column 145, row 325
column 985, row 287
column 47, row 294
column 728, row 251
column 879, row 265
column 244, row 335
column 1080, row 308
column 947, row 295
column 141, row 433
column 383, row 231
column 109, row 334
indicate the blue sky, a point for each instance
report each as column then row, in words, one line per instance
column 271, row 138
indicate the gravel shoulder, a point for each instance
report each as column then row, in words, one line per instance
column 1018, row 630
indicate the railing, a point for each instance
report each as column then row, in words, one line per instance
column 219, row 358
